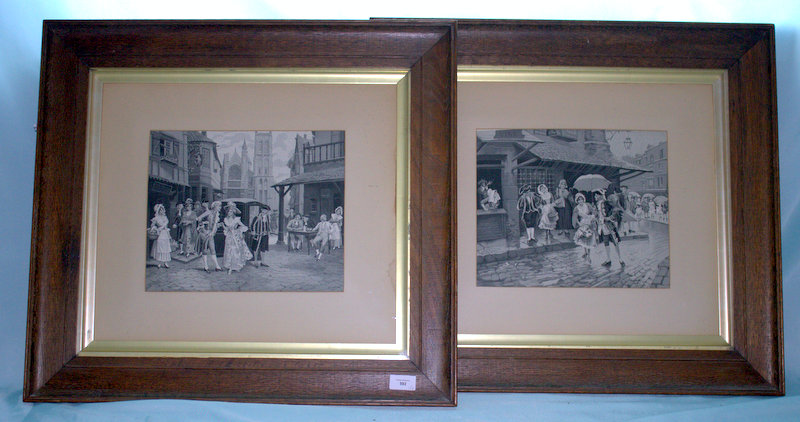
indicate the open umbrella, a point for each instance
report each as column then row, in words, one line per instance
column 660, row 199
column 632, row 194
column 590, row 182
column 648, row 196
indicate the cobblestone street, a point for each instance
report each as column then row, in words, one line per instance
column 287, row 272
column 647, row 265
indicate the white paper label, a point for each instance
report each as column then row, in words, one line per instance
column 403, row 382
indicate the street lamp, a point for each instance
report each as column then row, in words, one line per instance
column 628, row 142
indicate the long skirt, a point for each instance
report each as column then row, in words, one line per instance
column 564, row 217
column 236, row 253
column 189, row 239
column 336, row 236
column 162, row 249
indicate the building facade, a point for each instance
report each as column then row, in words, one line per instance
column 655, row 160
column 322, row 155
column 263, row 178
column 205, row 169
column 168, row 175
column 237, row 174
column 510, row 159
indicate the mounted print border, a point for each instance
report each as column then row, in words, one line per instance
column 55, row 371
column 752, row 363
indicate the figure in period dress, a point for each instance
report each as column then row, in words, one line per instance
column 529, row 205
column 178, row 227
column 583, row 218
column 323, row 229
column 236, row 251
column 208, row 222
column 259, row 229
column 159, row 227
column 490, row 198
column 607, row 226
column 296, row 224
column 564, row 207
column 337, row 219
column 188, row 222
column 549, row 215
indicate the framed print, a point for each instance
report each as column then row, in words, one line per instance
column 624, row 231
column 193, row 234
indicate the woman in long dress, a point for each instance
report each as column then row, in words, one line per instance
column 236, row 251
column 563, row 205
column 585, row 224
column 336, row 227
column 549, row 216
column 159, row 226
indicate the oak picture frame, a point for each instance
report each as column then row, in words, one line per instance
column 54, row 370
column 753, row 362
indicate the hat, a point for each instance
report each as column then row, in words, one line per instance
column 541, row 188
column 602, row 192
column 339, row 208
column 581, row 196
column 216, row 204
column 525, row 189
column 230, row 205
column 189, row 201
column 158, row 207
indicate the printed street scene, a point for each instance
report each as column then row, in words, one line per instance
column 572, row 208
column 245, row 211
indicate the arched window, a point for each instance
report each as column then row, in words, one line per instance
column 235, row 173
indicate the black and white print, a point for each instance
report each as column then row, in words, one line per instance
column 245, row 211
column 572, row 208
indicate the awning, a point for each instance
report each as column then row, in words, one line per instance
column 335, row 174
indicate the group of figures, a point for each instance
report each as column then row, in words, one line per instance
column 327, row 232
column 587, row 218
column 195, row 234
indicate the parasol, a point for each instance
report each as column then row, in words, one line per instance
column 632, row 193
column 590, row 182
column 648, row 196
column 660, row 199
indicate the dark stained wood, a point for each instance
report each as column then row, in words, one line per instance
column 53, row 370
column 747, row 52
column 554, row 43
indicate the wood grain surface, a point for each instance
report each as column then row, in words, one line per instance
column 70, row 48
column 747, row 52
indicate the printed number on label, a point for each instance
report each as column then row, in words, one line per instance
column 403, row 382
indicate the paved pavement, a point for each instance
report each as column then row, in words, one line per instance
column 647, row 265
column 295, row 271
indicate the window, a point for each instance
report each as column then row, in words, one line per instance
column 536, row 176
column 235, row 173
column 661, row 153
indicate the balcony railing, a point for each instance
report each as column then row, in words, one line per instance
column 323, row 152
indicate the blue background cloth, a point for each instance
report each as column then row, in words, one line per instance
column 20, row 50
